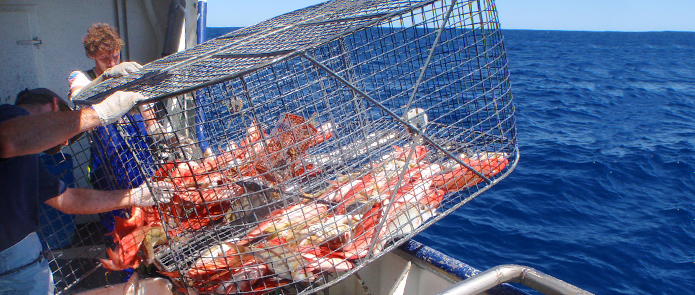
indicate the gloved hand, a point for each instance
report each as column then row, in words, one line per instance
column 122, row 69
column 162, row 191
column 116, row 105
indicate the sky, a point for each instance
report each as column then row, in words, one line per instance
column 573, row 15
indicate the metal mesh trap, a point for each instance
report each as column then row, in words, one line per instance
column 73, row 242
column 306, row 146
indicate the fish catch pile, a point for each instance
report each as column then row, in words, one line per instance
column 289, row 236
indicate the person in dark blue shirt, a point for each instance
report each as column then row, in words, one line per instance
column 41, row 121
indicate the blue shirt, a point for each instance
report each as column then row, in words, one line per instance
column 24, row 186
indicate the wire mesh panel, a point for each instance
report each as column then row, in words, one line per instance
column 304, row 147
column 74, row 243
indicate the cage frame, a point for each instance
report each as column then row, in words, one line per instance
column 100, row 92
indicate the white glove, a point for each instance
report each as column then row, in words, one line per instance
column 122, row 69
column 162, row 191
column 116, row 105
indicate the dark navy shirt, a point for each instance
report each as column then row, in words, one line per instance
column 24, row 186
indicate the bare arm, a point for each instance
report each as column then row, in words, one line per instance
column 90, row 201
column 33, row 134
column 74, row 91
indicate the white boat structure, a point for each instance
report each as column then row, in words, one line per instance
column 41, row 45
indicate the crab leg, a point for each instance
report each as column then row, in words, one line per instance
column 461, row 177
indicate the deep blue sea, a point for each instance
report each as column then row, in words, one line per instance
column 603, row 196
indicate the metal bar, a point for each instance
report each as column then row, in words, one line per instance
column 446, row 266
column 391, row 198
column 254, row 54
column 34, row 41
column 345, row 19
column 202, row 21
column 516, row 274
column 159, row 74
column 408, row 105
column 175, row 20
column 487, row 57
column 201, row 31
column 122, row 24
column 390, row 113
column 89, row 252
column 429, row 56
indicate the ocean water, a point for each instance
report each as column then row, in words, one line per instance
column 603, row 196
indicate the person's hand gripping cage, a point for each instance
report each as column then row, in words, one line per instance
column 116, row 105
column 119, row 70
column 156, row 192
column 111, row 110
column 122, row 69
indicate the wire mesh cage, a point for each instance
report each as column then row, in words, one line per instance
column 73, row 243
column 305, row 147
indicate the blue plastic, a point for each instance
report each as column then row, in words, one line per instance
column 199, row 113
column 115, row 163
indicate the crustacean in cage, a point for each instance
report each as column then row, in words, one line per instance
column 286, row 202
column 332, row 230
column 142, row 231
column 217, row 187
column 328, row 231
column 275, row 157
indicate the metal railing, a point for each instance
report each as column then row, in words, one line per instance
column 510, row 273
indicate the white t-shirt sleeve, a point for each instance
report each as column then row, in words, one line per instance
column 77, row 79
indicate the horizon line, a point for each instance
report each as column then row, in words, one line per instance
column 558, row 30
